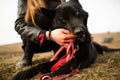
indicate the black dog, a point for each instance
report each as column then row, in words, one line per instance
column 71, row 16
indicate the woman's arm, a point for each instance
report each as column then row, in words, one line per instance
column 37, row 35
column 23, row 28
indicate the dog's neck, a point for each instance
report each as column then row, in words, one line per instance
column 87, row 41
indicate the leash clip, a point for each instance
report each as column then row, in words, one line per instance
column 77, row 47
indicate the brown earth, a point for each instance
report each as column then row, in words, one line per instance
column 106, row 67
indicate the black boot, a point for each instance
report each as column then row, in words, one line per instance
column 26, row 59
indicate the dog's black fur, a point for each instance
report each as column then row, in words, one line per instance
column 71, row 16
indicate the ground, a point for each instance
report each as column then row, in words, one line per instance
column 106, row 67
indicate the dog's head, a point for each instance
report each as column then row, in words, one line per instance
column 71, row 16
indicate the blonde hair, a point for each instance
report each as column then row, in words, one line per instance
column 33, row 8
column 62, row 1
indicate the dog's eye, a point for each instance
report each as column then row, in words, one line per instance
column 62, row 19
column 77, row 13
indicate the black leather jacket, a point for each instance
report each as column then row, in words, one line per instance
column 21, row 27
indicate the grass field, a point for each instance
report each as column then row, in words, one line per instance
column 106, row 67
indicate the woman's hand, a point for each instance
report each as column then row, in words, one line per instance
column 62, row 37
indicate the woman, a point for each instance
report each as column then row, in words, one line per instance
column 36, row 32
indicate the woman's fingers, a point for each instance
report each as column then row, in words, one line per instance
column 62, row 37
column 66, row 31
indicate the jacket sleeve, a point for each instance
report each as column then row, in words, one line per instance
column 22, row 28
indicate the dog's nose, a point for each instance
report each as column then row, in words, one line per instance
column 79, row 32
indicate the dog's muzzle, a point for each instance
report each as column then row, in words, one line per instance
column 80, row 35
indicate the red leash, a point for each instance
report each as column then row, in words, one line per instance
column 60, row 77
column 57, row 53
column 70, row 53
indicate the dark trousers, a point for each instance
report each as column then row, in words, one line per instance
column 30, row 47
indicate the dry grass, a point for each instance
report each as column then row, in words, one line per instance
column 106, row 67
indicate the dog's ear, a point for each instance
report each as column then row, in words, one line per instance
column 48, row 13
column 76, row 3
